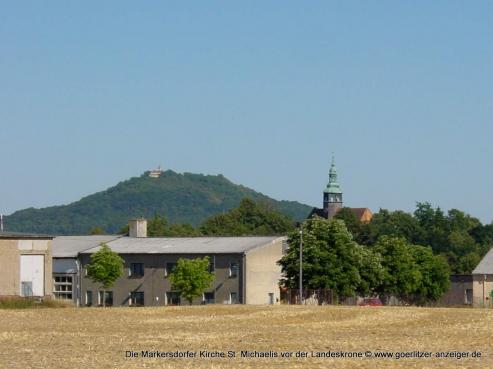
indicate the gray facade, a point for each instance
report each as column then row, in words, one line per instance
column 245, row 269
column 155, row 286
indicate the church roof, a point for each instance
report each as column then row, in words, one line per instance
column 363, row 214
column 360, row 212
column 333, row 186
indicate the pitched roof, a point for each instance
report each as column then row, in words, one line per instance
column 70, row 246
column 359, row 212
column 485, row 266
column 186, row 245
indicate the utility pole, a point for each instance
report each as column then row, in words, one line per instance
column 484, row 282
column 301, row 267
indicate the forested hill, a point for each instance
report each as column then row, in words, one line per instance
column 181, row 198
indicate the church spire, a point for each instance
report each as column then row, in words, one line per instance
column 333, row 186
column 332, row 193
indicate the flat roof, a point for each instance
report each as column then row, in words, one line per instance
column 71, row 246
column 20, row 235
column 185, row 245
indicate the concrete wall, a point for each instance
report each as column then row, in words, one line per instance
column 479, row 281
column 10, row 252
column 154, row 283
column 262, row 274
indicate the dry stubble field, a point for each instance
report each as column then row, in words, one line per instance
column 98, row 338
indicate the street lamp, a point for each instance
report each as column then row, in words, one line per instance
column 301, row 267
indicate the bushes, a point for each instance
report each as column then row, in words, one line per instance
column 31, row 303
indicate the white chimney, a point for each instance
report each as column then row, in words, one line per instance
column 137, row 228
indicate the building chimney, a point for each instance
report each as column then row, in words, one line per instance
column 137, row 228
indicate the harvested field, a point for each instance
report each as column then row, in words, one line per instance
column 99, row 338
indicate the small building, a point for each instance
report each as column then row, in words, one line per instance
column 25, row 265
column 482, row 277
column 156, row 173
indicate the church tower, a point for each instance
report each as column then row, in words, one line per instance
column 332, row 194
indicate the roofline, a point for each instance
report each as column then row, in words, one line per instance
column 25, row 236
column 265, row 244
column 242, row 252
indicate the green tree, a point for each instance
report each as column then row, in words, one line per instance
column 371, row 271
column 402, row 276
column 106, row 267
column 97, row 231
column 249, row 218
column 331, row 259
column 353, row 224
column 157, row 226
column 191, row 277
column 434, row 270
column 395, row 223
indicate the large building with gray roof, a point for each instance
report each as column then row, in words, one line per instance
column 245, row 269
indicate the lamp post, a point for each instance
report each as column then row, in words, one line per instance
column 301, row 267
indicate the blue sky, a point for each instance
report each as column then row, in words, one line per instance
column 92, row 93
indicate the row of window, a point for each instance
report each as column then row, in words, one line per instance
column 62, row 287
column 136, row 270
column 137, row 298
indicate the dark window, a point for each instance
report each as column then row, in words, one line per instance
column 108, row 298
column 170, row 267
column 209, row 298
column 137, row 270
column 212, row 264
column 233, row 269
column 468, row 299
column 88, row 298
column 172, row 298
column 137, row 298
column 233, row 298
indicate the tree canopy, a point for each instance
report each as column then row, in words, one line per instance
column 331, row 260
column 249, row 218
column 391, row 267
column 191, row 277
column 106, row 267
column 458, row 237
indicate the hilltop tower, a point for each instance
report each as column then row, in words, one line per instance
column 332, row 193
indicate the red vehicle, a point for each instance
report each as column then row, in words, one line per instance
column 372, row 301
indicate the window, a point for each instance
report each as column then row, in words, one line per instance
column 108, row 298
column 136, row 298
column 233, row 269
column 212, row 264
column 88, row 298
column 62, row 287
column 271, row 298
column 233, row 298
column 208, row 298
column 468, row 296
column 169, row 268
column 173, row 298
column 137, row 270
